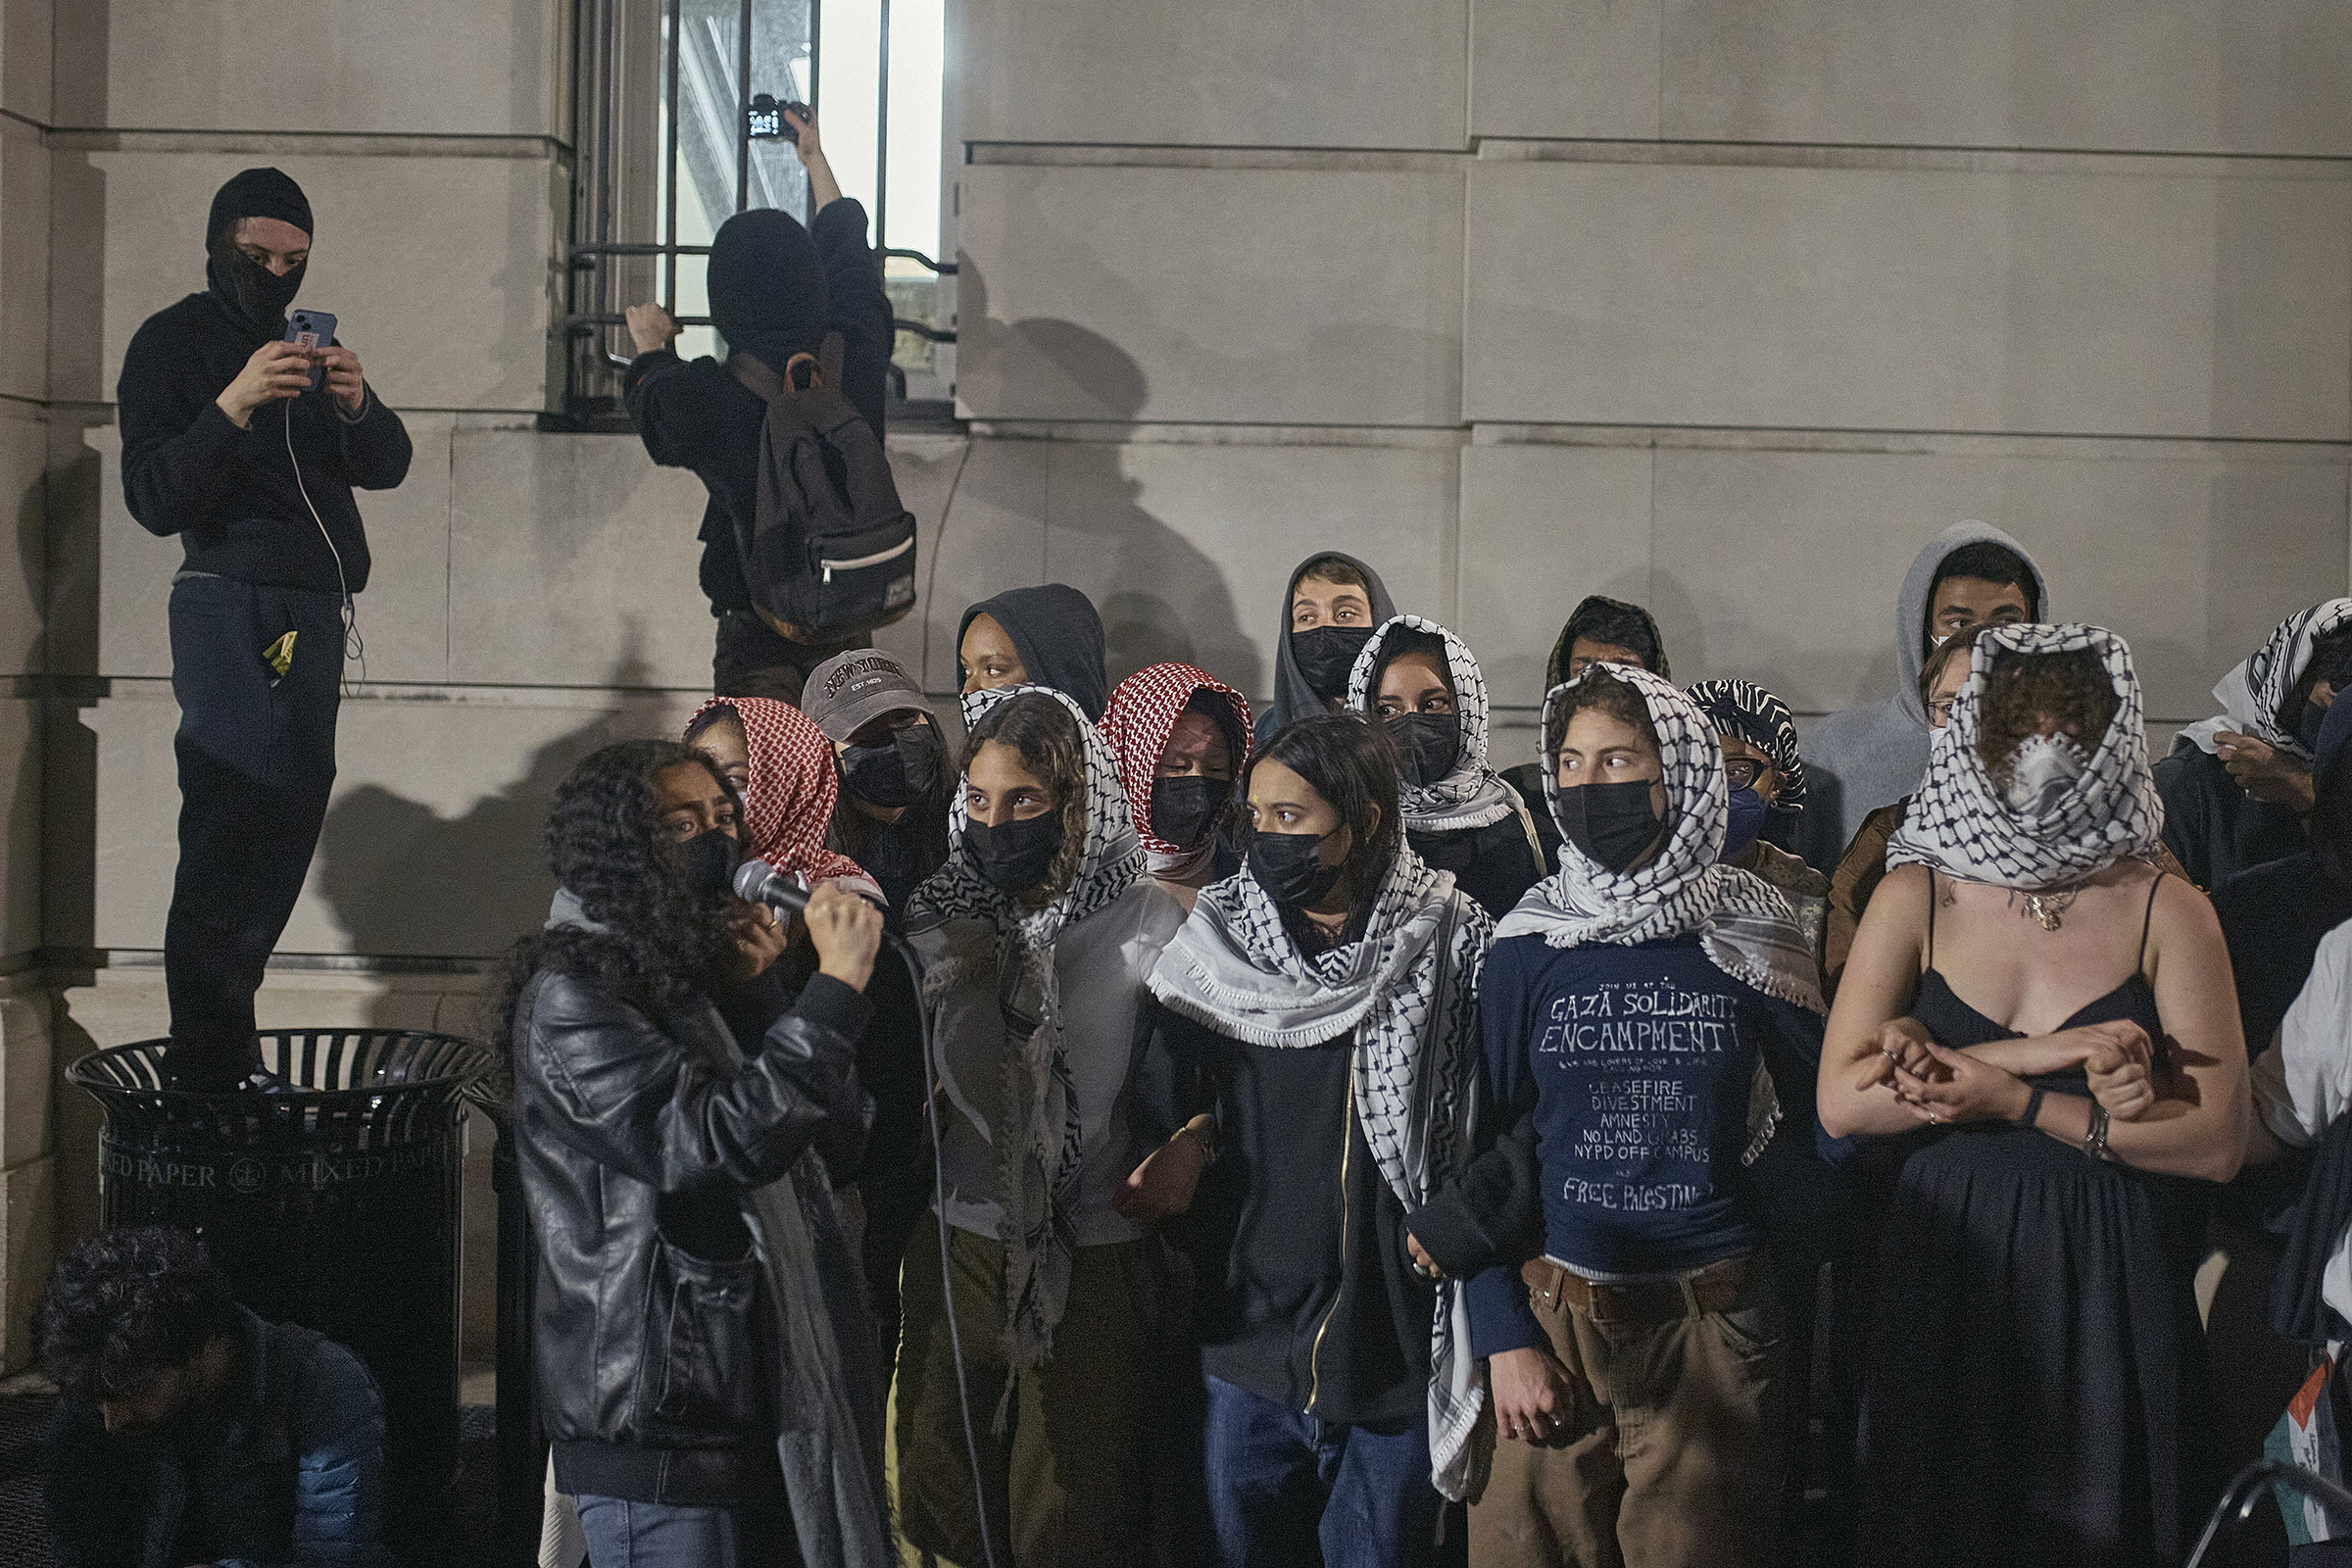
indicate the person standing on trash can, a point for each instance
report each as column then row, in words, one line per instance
column 248, row 448
column 704, row 1366
column 776, row 289
column 190, row 1431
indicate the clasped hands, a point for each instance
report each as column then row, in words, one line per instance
column 1941, row 1086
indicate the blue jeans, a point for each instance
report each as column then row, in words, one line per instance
column 1286, row 1488
column 662, row 1534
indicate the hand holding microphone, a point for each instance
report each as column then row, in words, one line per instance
column 846, row 928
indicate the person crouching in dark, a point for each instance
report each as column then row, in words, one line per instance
column 225, row 445
column 705, row 1372
column 776, row 289
column 189, row 1431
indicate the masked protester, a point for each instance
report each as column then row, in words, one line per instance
column 892, row 816
column 2050, row 1021
column 1598, row 630
column 1181, row 737
column 705, row 1363
column 1037, row 933
column 1328, row 613
column 1320, row 1051
column 1859, row 760
column 1766, row 773
column 187, row 1428
column 1639, row 1357
column 1048, row 636
column 776, row 289
column 2237, row 787
column 1420, row 682
column 226, row 444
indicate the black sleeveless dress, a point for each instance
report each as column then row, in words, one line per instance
column 2034, row 1344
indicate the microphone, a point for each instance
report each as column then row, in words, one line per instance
column 758, row 882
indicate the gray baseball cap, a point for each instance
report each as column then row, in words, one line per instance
column 850, row 691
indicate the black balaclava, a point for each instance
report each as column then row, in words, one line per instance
column 768, row 287
column 255, row 298
column 1057, row 633
column 1295, row 696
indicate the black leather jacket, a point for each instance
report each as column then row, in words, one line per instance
column 650, row 1327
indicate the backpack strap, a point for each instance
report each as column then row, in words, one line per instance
column 756, row 375
column 829, row 355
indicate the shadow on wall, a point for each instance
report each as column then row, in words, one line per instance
column 404, row 880
column 1161, row 596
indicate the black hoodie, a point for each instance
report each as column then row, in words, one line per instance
column 776, row 289
column 232, row 495
column 1294, row 698
column 1057, row 633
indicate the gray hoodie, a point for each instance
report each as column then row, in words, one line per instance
column 1872, row 756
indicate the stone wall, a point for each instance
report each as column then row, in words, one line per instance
column 1721, row 305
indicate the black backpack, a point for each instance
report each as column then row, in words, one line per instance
column 829, row 552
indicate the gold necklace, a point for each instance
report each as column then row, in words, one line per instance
column 2049, row 910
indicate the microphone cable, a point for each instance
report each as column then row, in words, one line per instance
column 939, row 1209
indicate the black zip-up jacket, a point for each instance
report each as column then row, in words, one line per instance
column 652, row 1335
column 697, row 415
column 1307, row 1292
column 232, row 495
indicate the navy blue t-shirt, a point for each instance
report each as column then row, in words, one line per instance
column 1635, row 1064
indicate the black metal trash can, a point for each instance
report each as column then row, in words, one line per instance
column 335, row 1205
column 521, row 1447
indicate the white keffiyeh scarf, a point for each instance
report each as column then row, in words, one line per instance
column 2252, row 694
column 1042, row 1148
column 1471, row 795
column 1961, row 822
column 1743, row 924
column 1413, row 1001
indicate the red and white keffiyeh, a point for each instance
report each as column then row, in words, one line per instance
column 1137, row 722
column 789, row 796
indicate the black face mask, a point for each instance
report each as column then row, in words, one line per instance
column 1326, row 654
column 1286, row 866
column 894, row 774
column 255, row 295
column 2307, row 728
column 1428, row 745
column 1015, row 855
column 708, row 860
column 1612, row 823
column 1183, row 810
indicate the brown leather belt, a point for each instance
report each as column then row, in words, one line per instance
column 1718, row 1288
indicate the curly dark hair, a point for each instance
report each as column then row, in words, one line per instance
column 1606, row 692
column 1043, row 734
column 127, row 1306
column 2024, row 691
column 1352, row 763
column 659, row 938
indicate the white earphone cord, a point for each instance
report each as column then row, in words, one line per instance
column 354, row 646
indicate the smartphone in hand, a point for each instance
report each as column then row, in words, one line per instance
column 312, row 331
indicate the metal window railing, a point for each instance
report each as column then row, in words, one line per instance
column 663, row 94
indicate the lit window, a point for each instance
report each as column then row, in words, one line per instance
column 677, row 127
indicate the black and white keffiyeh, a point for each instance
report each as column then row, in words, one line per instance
column 1042, row 1150
column 1961, row 821
column 2252, row 694
column 1472, row 794
column 1745, row 709
column 1411, row 994
column 1743, row 924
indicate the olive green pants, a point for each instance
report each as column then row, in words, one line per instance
column 1671, row 1458
column 1066, row 1482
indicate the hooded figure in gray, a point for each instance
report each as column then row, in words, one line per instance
column 1868, row 757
